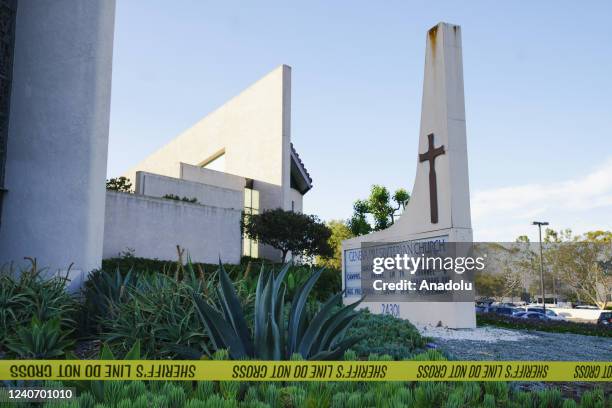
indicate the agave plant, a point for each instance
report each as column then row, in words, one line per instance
column 104, row 292
column 276, row 335
column 40, row 340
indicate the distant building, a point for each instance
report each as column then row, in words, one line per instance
column 238, row 158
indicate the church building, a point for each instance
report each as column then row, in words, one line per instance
column 238, row 158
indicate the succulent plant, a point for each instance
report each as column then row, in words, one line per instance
column 40, row 340
column 276, row 336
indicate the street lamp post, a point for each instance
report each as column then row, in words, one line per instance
column 539, row 224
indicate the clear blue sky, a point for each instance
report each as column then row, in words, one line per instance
column 538, row 89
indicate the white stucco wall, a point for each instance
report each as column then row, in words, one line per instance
column 155, row 185
column 154, row 226
column 212, row 177
column 58, row 134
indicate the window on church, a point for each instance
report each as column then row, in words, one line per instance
column 217, row 162
column 251, row 206
column 7, row 44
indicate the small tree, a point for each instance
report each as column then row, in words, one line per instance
column 358, row 224
column 583, row 264
column 289, row 231
column 339, row 232
column 379, row 206
column 121, row 184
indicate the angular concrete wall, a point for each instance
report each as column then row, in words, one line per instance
column 253, row 129
column 58, row 134
column 154, row 185
column 152, row 227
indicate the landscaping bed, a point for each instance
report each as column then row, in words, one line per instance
column 205, row 394
column 152, row 314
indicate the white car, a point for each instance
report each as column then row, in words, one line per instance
column 533, row 315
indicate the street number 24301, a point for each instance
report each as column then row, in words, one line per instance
column 392, row 309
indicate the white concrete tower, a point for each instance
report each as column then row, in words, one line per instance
column 440, row 203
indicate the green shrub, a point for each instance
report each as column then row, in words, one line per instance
column 192, row 200
column 288, row 231
column 103, row 293
column 488, row 401
column 497, row 389
column 568, row 403
column 328, row 284
column 594, row 399
column 385, row 334
column 29, row 299
column 86, row 400
column 554, row 326
column 157, row 311
column 330, row 394
column 138, row 265
column 430, row 394
column 39, row 340
column 121, row 184
column 550, row 398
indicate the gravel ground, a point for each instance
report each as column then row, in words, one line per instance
column 482, row 334
column 488, row 343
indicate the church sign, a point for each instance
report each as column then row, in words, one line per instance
column 359, row 261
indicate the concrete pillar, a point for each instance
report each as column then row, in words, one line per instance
column 53, row 208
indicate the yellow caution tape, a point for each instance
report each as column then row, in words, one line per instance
column 213, row 370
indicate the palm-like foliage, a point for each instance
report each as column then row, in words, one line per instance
column 277, row 333
column 153, row 309
column 158, row 312
column 33, row 293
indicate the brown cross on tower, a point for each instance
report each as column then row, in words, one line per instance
column 430, row 155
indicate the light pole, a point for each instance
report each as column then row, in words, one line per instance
column 539, row 224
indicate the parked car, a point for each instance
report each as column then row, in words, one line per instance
column 504, row 310
column 534, row 316
column 482, row 309
column 551, row 314
column 519, row 314
column 605, row 319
